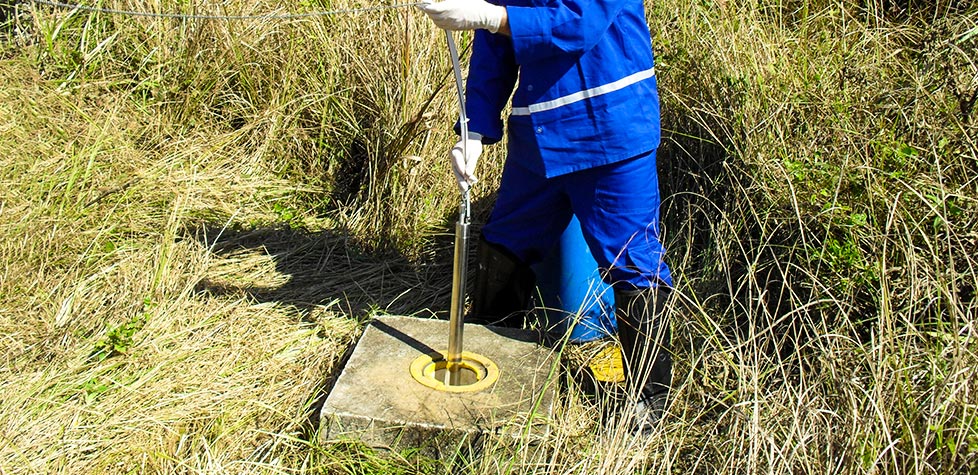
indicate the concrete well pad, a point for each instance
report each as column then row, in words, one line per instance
column 376, row 400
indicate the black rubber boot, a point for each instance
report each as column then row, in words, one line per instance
column 643, row 330
column 503, row 286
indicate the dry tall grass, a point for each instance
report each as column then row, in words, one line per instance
column 198, row 216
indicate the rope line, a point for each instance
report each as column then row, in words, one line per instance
column 186, row 16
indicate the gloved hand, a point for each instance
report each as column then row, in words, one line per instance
column 465, row 15
column 463, row 165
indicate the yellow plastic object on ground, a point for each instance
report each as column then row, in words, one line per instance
column 478, row 372
column 606, row 365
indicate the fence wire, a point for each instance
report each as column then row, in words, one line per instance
column 192, row 16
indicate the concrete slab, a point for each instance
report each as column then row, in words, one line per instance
column 376, row 401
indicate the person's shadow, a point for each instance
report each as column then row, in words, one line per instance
column 307, row 270
column 322, row 268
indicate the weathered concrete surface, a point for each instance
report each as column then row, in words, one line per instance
column 376, row 400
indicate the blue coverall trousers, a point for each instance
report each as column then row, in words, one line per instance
column 617, row 205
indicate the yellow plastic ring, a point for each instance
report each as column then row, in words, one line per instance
column 424, row 367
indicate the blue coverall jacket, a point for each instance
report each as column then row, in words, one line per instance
column 587, row 90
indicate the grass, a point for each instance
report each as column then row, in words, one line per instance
column 197, row 218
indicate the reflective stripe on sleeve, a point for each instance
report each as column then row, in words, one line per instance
column 585, row 94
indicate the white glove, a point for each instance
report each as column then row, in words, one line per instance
column 465, row 15
column 463, row 165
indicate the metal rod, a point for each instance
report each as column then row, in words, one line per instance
column 460, row 264
column 456, row 321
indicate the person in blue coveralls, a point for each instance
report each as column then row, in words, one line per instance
column 583, row 133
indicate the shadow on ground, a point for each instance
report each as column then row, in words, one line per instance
column 313, row 268
column 307, row 269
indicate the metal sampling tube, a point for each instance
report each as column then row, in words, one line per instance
column 456, row 320
column 460, row 264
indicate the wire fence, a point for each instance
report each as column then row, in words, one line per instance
column 193, row 16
